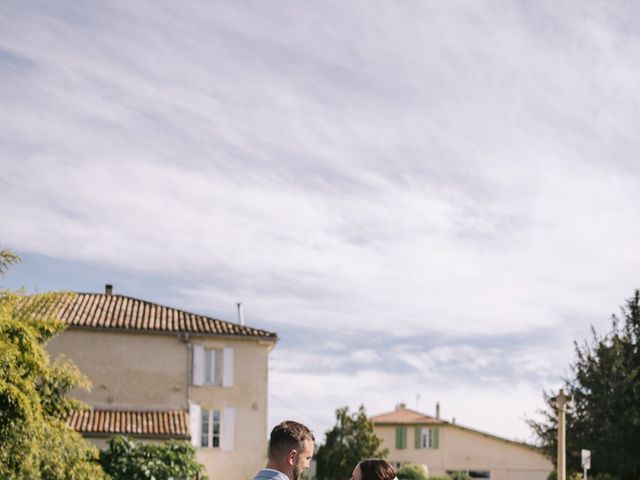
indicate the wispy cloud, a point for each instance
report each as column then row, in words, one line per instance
column 371, row 173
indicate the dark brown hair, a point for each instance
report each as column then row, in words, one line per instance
column 287, row 436
column 376, row 469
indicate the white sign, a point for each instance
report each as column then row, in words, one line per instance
column 586, row 459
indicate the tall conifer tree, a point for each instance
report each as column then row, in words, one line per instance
column 604, row 413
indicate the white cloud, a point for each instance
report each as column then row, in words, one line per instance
column 460, row 172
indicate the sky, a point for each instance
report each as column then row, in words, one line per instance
column 427, row 201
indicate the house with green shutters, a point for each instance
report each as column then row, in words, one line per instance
column 444, row 447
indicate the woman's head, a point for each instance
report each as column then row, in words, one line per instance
column 373, row 469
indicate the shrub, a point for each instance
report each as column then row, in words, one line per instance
column 412, row 471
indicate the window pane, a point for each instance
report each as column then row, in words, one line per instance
column 427, row 438
column 207, row 366
column 217, row 364
column 204, row 425
column 216, row 422
column 205, row 421
column 215, row 437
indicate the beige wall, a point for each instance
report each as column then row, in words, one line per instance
column 248, row 396
column 461, row 449
column 127, row 369
column 144, row 371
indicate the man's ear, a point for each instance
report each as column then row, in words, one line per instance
column 291, row 457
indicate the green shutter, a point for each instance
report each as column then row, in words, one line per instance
column 418, row 437
column 436, row 437
column 401, row 438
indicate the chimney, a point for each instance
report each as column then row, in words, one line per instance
column 401, row 406
column 108, row 289
column 240, row 316
column 438, row 410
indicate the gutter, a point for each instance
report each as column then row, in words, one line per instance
column 184, row 338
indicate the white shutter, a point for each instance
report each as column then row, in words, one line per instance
column 198, row 364
column 194, row 424
column 228, row 429
column 227, row 364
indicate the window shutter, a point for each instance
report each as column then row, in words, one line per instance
column 198, row 364
column 418, row 443
column 401, row 438
column 227, row 365
column 435, row 437
column 194, row 424
column 228, row 429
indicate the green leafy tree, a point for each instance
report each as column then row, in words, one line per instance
column 349, row 441
column 35, row 442
column 412, row 471
column 129, row 460
column 604, row 413
column 459, row 475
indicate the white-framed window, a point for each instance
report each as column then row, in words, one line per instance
column 213, row 427
column 427, row 437
column 213, row 366
column 210, row 428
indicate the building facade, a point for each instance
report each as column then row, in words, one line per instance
column 158, row 373
column 445, row 447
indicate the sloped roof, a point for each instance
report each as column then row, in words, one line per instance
column 107, row 311
column 403, row 415
column 174, row 423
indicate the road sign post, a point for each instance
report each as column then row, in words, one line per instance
column 586, row 462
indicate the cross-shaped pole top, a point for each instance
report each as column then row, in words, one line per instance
column 562, row 399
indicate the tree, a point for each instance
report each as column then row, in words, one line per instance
column 349, row 441
column 129, row 460
column 35, row 442
column 412, row 471
column 604, row 413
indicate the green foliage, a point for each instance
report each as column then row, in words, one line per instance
column 570, row 476
column 349, row 441
column 129, row 460
column 439, row 477
column 412, row 471
column 35, row 442
column 459, row 475
column 604, row 413
column 7, row 258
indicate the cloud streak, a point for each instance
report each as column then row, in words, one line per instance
column 369, row 174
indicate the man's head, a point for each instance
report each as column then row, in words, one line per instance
column 290, row 448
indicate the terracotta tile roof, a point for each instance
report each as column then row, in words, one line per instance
column 95, row 310
column 135, row 423
column 403, row 415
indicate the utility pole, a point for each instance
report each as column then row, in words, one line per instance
column 561, row 403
